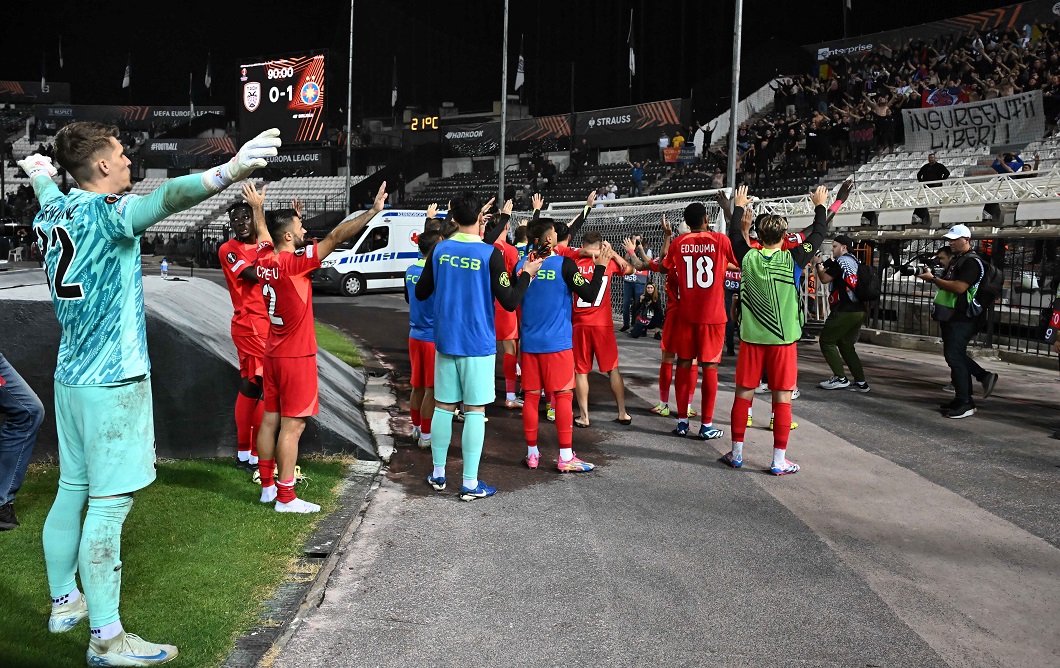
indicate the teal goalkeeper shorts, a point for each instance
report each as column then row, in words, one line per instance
column 464, row 379
column 106, row 436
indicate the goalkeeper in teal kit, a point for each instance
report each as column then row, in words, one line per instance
column 90, row 240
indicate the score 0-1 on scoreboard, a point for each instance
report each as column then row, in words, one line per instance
column 285, row 93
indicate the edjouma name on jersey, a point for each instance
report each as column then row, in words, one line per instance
column 698, row 248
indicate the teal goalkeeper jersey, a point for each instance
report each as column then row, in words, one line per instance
column 91, row 245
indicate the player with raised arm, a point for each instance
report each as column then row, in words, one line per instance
column 594, row 330
column 771, row 319
column 506, row 322
column 466, row 275
column 696, row 262
column 546, row 331
column 421, row 343
column 90, row 241
column 285, row 260
column 250, row 328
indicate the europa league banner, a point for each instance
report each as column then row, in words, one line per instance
column 127, row 117
column 187, row 153
column 31, row 92
column 635, row 124
column 472, row 140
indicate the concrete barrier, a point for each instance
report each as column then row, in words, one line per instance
column 194, row 374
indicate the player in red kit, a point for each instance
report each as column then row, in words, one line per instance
column 506, row 323
column 696, row 263
column 290, row 369
column 594, row 331
column 250, row 328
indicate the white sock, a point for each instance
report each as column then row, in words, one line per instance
column 750, row 412
column 737, row 448
column 566, row 454
column 425, row 436
column 253, row 460
column 532, row 450
column 108, row 631
column 518, row 369
column 510, row 396
column 439, row 472
column 779, row 456
column 471, row 483
column 243, row 455
column 67, row 598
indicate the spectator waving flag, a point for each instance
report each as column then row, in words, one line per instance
column 128, row 72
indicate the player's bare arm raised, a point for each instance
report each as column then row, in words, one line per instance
column 349, row 228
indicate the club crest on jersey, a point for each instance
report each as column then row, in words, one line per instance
column 807, row 247
column 505, row 280
column 579, row 280
column 251, row 95
column 231, row 257
column 299, row 252
column 112, row 199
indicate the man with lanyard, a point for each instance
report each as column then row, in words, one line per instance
column 632, row 288
column 957, row 286
column 546, row 332
column 846, row 315
column 467, row 275
column 771, row 320
column 421, row 344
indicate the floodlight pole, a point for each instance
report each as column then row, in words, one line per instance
column 734, row 105
column 349, row 116
column 504, row 107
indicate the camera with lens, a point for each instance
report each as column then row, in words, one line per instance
column 921, row 264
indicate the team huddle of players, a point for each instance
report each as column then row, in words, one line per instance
column 547, row 304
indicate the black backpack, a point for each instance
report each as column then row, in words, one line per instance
column 991, row 282
column 868, row 287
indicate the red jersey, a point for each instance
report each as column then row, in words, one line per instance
column 249, row 316
column 289, row 299
column 696, row 263
column 790, row 241
column 670, row 288
column 567, row 251
column 597, row 314
column 510, row 253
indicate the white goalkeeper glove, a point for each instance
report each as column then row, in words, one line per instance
column 37, row 165
column 251, row 156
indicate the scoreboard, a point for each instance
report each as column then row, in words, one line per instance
column 285, row 93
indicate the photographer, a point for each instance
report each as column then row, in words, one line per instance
column 960, row 278
column 647, row 314
column 847, row 314
column 633, row 285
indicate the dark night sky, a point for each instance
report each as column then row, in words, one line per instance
column 446, row 51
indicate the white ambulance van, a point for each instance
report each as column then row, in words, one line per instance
column 377, row 258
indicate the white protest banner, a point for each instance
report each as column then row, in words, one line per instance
column 1013, row 119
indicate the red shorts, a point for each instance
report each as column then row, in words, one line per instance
column 421, row 353
column 506, row 323
column 291, row 386
column 251, row 350
column 590, row 341
column 550, row 372
column 698, row 341
column 780, row 362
